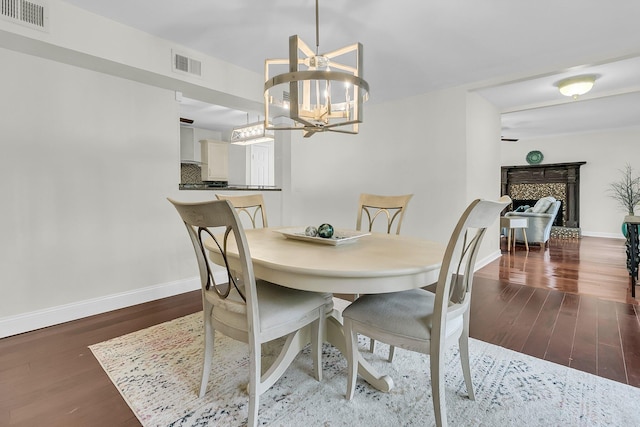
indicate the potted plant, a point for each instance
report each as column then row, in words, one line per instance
column 626, row 192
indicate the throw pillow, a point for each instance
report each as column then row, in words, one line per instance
column 543, row 204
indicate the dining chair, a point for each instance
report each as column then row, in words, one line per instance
column 392, row 208
column 251, row 205
column 245, row 309
column 423, row 321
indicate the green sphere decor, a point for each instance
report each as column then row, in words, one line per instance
column 325, row 231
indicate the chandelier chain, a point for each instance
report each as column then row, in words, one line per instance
column 317, row 30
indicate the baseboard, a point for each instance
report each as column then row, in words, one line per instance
column 488, row 259
column 605, row 235
column 31, row 321
column 13, row 325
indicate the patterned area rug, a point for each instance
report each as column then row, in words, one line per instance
column 157, row 371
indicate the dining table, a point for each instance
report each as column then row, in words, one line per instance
column 362, row 263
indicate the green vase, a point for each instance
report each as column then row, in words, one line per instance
column 624, row 229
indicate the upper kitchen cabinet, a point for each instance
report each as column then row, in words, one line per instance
column 215, row 159
column 189, row 147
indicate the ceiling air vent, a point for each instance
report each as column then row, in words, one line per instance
column 184, row 64
column 27, row 13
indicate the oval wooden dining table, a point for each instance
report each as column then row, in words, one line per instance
column 373, row 263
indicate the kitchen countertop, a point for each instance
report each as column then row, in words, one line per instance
column 229, row 187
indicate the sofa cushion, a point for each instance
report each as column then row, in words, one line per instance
column 543, row 205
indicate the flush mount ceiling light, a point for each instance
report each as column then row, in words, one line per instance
column 317, row 92
column 576, row 86
column 251, row 133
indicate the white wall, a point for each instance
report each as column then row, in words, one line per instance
column 85, row 225
column 606, row 153
column 87, row 163
column 417, row 145
column 483, row 159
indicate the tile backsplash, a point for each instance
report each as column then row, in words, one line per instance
column 190, row 174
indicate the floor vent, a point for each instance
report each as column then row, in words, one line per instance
column 184, row 64
column 28, row 13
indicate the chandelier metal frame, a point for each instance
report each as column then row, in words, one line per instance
column 315, row 96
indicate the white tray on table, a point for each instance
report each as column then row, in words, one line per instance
column 340, row 236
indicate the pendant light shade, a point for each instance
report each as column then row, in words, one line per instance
column 251, row 133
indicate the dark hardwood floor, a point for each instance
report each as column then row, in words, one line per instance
column 587, row 266
column 49, row 377
column 567, row 304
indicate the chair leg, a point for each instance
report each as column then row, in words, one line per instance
column 255, row 353
column 209, row 336
column 391, row 353
column 372, row 346
column 463, row 343
column 437, row 390
column 351, row 338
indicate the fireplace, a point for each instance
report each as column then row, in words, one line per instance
column 526, row 184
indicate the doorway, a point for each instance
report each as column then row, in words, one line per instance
column 261, row 172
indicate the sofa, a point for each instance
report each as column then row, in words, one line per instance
column 541, row 217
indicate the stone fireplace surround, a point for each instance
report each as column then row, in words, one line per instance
column 529, row 183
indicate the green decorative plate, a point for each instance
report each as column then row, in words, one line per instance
column 534, row 157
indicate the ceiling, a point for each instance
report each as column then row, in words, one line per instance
column 510, row 52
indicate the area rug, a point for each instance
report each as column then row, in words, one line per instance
column 157, row 371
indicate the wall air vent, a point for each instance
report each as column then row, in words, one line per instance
column 183, row 64
column 31, row 14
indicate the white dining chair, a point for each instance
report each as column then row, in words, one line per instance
column 250, row 205
column 249, row 310
column 392, row 208
column 421, row 321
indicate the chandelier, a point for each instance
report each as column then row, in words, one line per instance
column 251, row 133
column 318, row 92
